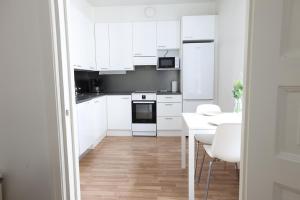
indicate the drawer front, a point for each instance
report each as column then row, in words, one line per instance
column 169, row 123
column 169, row 109
column 169, row 98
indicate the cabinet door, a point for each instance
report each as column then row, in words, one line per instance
column 168, row 35
column 120, row 38
column 85, row 130
column 103, row 117
column 144, row 39
column 119, row 112
column 102, row 46
column 89, row 40
column 94, row 119
column 75, row 35
column 82, row 41
column 198, row 27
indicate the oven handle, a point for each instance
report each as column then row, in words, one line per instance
column 143, row 102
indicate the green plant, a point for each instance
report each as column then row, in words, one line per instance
column 237, row 89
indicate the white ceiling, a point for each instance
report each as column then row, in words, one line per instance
column 140, row 2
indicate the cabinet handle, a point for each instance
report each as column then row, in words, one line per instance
column 138, row 54
column 168, row 118
column 128, row 68
column 161, row 46
column 169, row 104
column 169, row 97
column 103, row 68
column 125, row 98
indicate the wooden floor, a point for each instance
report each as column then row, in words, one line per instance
column 147, row 168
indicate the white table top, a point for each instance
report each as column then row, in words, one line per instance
column 196, row 121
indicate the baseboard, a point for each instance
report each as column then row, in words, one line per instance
column 119, row 133
column 98, row 141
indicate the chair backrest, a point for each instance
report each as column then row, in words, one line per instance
column 204, row 108
column 227, row 143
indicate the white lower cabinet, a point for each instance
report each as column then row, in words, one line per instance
column 99, row 119
column 92, row 123
column 169, row 109
column 169, row 120
column 169, row 123
column 85, row 130
column 119, row 113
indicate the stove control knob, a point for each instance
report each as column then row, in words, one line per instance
column 143, row 96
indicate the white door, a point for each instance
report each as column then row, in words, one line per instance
column 198, row 71
column 120, row 37
column 102, row 46
column 119, row 112
column 168, row 35
column 272, row 120
column 144, row 39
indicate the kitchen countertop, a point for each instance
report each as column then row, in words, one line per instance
column 89, row 96
column 168, row 93
column 80, row 98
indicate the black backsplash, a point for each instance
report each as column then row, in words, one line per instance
column 143, row 78
column 86, row 80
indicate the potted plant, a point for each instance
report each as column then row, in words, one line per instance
column 237, row 95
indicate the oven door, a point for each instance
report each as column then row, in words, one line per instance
column 144, row 112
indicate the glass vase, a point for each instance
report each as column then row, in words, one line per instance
column 237, row 105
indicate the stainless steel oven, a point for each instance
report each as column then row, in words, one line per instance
column 144, row 114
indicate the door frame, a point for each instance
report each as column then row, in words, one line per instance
column 64, row 144
column 246, row 103
column 68, row 173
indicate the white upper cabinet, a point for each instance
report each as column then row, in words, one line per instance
column 144, row 39
column 120, row 38
column 198, row 27
column 168, row 35
column 114, row 46
column 102, row 46
column 82, row 41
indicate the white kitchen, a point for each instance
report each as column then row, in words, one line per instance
column 141, row 71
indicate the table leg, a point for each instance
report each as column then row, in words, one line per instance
column 183, row 152
column 191, row 166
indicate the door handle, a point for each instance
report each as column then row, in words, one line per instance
column 168, row 118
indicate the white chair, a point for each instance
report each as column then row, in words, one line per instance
column 226, row 146
column 205, row 138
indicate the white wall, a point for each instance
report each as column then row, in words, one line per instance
column 231, row 43
column 27, row 102
column 84, row 7
column 163, row 12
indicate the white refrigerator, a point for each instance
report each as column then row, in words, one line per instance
column 198, row 71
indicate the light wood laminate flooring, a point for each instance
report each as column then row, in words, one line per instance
column 148, row 168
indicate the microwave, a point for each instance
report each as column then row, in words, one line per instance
column 168, row 63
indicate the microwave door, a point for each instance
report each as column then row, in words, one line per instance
column 166, row 62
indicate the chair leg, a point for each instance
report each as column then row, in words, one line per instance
column 196, row 162
column 208, row 178
column 201, row 168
